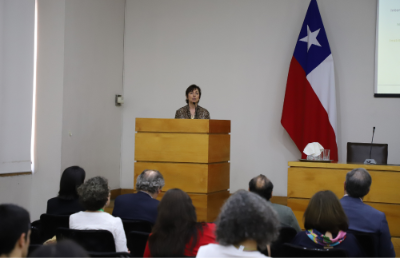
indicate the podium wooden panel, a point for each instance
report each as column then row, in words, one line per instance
column 191, row 154
column 307, row 178
column 191, row 178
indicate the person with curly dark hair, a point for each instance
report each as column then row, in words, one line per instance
column 94, row 194
column 192, row 110
column 246, row 222
column 67, row 201
column 326, row 226
column 177, row 232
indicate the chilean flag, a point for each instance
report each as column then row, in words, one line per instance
column 309, row 109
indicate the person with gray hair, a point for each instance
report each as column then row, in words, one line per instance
column 246, row 222
column 362, row 217
column 94, row 195
column 143, row 204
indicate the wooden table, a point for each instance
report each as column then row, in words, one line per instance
column 307, row 178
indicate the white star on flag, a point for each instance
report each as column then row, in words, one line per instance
column 311, row 38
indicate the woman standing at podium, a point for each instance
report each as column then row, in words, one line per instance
column 192, row 110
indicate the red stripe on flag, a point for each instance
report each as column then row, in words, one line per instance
column 303, row 116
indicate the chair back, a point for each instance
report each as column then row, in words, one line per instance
column 286, row 235
column 136, row 225
column 50, row 223
column 36, row 237
column 369, row 242
column 91, row 240
column 298, row 251
column 137, row 243
column 359, row 152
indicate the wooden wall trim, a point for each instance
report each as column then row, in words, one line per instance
column 16, row 174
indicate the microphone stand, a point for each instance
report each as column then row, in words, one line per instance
column 371, row 161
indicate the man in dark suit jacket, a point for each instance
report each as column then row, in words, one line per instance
column 143, row 204
column 363, row 217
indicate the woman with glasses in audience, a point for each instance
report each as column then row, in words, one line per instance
column 246, row 223
column 176, row 231
column 67, row 201
column 94, row 194
column 326, row 225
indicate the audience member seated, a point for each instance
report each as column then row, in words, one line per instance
column 326, row 225
column 363, row 217
column 14, row 231
column 143, row 204
column 67, row 201
column 246, row 222
column 64, row 248
column 177, row 232
column 262, row 186
column 94, row 194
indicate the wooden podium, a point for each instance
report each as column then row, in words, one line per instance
column 191, row 154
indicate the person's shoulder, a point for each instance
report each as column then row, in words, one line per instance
column 182, row 108
column 281, row 208
column 53, row 201
column 208, row 227
column 77, row 215
column 202, row 109
column 124, row 197
column 300, row 236
column 109, row 217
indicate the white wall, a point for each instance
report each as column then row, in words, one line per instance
column 32, row 191
column 94, row 33
column 239, row 52
column 79, row 71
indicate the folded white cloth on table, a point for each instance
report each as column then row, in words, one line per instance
column 313, row 149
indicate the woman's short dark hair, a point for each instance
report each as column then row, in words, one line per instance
column 325, row 213
column 358, row 182
column 93, row 194
column 63, row 248
column 14, row 221
column 71, row 179
column 244, row 216
column 175, row 226
column 190, row 89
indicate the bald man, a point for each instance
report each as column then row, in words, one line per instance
column 262, row 186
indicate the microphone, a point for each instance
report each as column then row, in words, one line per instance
column 370, row 160
column 194, row 103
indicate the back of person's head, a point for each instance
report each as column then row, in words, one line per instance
column 176, row 224
column 14, row 230
column 358, row 183
column 262, row 186
column 150, row 181
column 94, row 193
column 246, row 216
column 325, row 213
column 64, row 248
column 71, row 179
